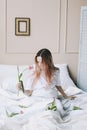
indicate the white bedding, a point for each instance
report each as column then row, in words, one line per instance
column 32, row 113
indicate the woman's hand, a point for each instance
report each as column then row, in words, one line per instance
column 59, row 88
column 18, row 86
column 72, row 97
column 28, row 92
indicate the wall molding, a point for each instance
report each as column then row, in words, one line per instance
column 66, row 37
column 30, row 52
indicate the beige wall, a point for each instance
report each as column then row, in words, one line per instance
column 54, row 24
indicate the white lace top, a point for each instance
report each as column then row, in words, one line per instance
column 42, row 88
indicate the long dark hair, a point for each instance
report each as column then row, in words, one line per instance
column 47, row 61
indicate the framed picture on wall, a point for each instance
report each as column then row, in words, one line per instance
column 22, row 26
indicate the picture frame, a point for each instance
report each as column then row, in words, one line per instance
column 22, row 26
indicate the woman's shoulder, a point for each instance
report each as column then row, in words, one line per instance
column 56, row 70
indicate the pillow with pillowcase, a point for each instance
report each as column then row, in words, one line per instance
column 66, row 82
column 9, row 84
column 9, row 77
column 65, row 79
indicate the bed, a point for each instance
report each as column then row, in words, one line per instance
column 21, row 112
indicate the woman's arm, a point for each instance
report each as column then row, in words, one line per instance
column 59, row 88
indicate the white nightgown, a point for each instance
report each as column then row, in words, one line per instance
column 41, row 87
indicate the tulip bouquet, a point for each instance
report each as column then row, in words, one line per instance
column 20, row 74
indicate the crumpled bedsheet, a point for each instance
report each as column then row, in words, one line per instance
column 32, row 113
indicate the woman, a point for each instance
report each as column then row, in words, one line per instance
column 45, row 76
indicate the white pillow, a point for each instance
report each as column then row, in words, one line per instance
column 65, row 78
column 72, row 90
column 7, row 71
column 66, row 82
column 10, row 80
column 10, row 84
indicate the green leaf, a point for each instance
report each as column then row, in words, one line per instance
column 20, row 76
column 12, row 114
column 22, row 85
column 51, row 106
column 54, row 108
column 22, row 106
column 76, row 108
column 18, row 69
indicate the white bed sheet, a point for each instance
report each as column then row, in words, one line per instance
column 34, row 116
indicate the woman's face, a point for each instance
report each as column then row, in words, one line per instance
column 40, row 64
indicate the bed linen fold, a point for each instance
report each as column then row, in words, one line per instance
column 32, row 113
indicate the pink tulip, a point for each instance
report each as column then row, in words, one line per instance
column 21, row 112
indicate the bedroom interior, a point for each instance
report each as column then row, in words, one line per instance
column 25, row 27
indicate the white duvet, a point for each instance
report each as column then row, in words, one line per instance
column 31, row 113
